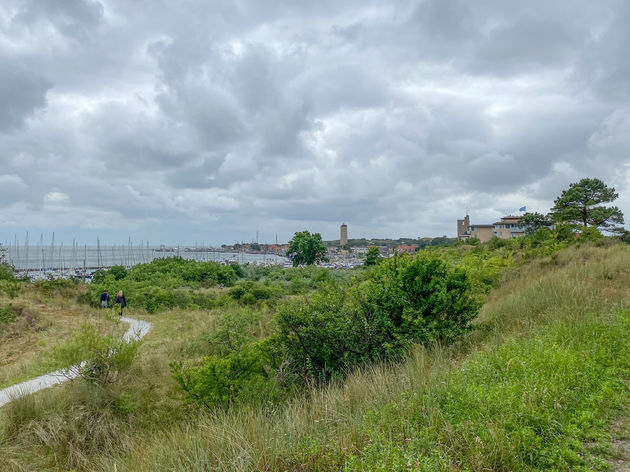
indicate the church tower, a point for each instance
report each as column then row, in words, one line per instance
column 343, row 237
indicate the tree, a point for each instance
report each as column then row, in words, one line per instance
column 307, row 248
column 373, row 256
column 532, row 222
column 6, row 271
column 581, row 204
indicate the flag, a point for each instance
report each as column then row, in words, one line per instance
column 522, row 209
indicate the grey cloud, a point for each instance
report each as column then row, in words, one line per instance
column 72, row 18
column 209, row 119
column 22, row 92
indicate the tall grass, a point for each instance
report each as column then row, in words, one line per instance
column 521, row 392
column 46, row 313
column 524, row 391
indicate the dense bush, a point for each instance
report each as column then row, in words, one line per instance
column 118, row 271
column 165, row 283
column 250, row 292
column 11, row 287
column 219, row 381
column 404, row 300
column 175, row 282
column 6, row 272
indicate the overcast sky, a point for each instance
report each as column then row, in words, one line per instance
column 182, row 121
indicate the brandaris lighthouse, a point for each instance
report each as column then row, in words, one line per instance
column 343, row 237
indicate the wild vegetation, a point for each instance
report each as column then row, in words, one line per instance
column 508, row 355
column 34, row 317
column 231, row 388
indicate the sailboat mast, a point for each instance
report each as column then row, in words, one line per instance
column 26, row 256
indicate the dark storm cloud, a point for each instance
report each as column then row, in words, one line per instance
column 208, row 120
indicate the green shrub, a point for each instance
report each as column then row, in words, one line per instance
column 233, row 330
column 220, row 380
column 590, row 234
column 6, row 272
column 86, row 299
column 182, row 298
column 102, row 357
column 564, row 232
column 404, row 300
column 248, row 299
column 496, row 243
column 118, row 271
column 11, row 287
column 228, row 274
column 206, row 301
column 7, row 314
column 158, row 299
column 249, row 292
column 298, row 285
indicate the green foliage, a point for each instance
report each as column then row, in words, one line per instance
column 166, row 283
column 250, row 292
column 228, row 274
column 306, row 248
column 156, row 299
column 405, row 300
column 564, row 232
column 6, row 272
column 118, row 271
column 234, row 330
column 59, row 286
column 372, row 256
column 220, row 380
column 421, row 298
column 319, row 335
column 533, row 222
column 7, row 315
column 11, row 287
column 509, row 408
column 101, row 357
column 582, row 203
column 590, row 234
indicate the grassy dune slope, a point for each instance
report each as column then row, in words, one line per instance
column 47, row 316
column 533, row 388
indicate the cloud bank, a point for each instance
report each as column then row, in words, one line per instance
column 209, row 121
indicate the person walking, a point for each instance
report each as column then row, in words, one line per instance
column 122, row 301
column 104, row 299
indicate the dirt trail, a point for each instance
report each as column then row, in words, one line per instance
column 137, row 330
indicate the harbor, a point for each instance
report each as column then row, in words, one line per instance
column 42, row 261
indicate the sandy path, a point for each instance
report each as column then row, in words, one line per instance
column 137, row 330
